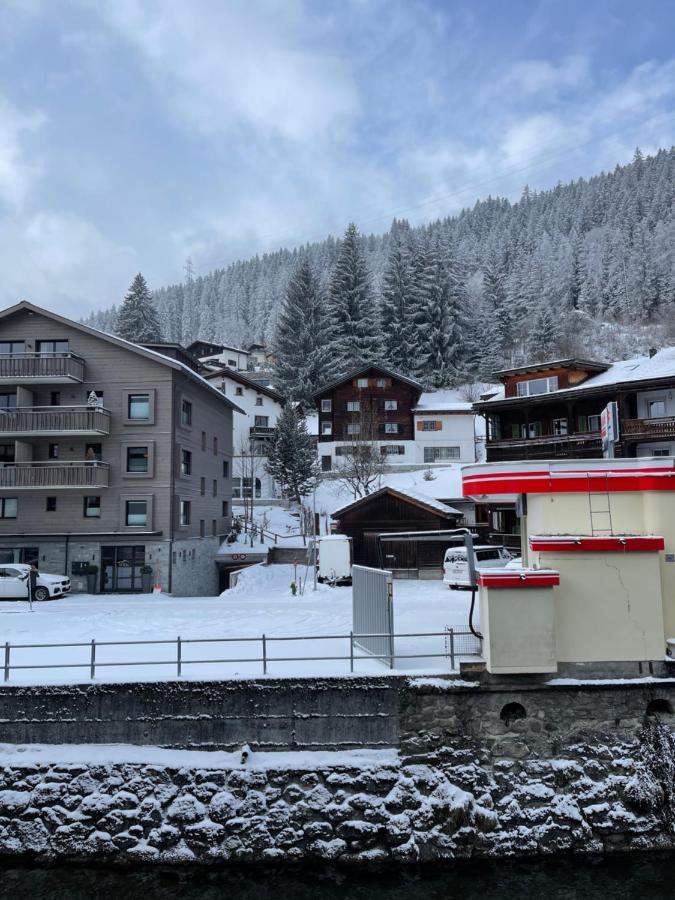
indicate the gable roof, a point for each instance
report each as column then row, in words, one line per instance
column 412, row 497
column 354, row 373
column 31, row 308
column 235, row 375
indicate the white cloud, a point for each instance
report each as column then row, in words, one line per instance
column 533, row 77
column 17, row 173
column 225, row 65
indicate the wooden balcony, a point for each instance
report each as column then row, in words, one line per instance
column 262, row 431
column 54, row 475
column 41, row 368
column 544, row 439
column 549, row 446
column 648, row 429
column 35, row 421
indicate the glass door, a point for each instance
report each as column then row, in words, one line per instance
column 121, row 568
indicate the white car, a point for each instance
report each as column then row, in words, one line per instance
column 456, row 565
column 14, row 584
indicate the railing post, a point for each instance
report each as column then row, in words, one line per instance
column 452, row 649
column 264, row 651
column 92, row 665
column 351, row 651
column 7, row 661
column 179, row 659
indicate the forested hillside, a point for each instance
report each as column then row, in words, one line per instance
column 586, row 267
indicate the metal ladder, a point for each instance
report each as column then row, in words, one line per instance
column 599, row 505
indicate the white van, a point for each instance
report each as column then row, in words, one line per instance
column 335, row 559
column 456, row 566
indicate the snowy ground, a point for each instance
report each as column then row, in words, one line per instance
column 260, row 603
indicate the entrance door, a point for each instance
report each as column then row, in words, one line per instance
column 121, row 568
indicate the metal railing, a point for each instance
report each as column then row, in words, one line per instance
column 657, row 428
column 456, row 644
column 41, row 365
column 21, row 475
column 27, row 420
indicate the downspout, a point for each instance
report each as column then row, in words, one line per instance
column 172, row 479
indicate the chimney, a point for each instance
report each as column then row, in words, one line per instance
column 652, row 352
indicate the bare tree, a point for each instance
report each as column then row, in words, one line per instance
column 363, row 461
column 249, row 467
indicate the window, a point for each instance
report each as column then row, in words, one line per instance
column 537, row 386
column 353, row 406
column 382, row 382
column 96, row 450
column 213, row 526
column 656, row 409
column 326, row 428
column 12, row 348
column 661, row 451
column 7, row 401
column 343, row 451
column 531, row 430
column 226, row 508
column 137, row 460
column 326, row 463
column 136, row 513
column 185, row 462
column 392, row 428
column 326, row 406
column 50, row 505
column 202, row 485
column 186, row 413
column 215, row 446
column 242, row 487
column 239, row 391
column 6, row 453
column 138, row 407
column 8, row 507
column 214, row 487
column 390, row 405
column 92, row 507
column 262, row 421
column 429, row 425
column 232, row 362
column 258, row 401
column 353, row 428
column 203, row 441
column 95, row 398
column 362, row 382
column 202, row 528
column 53, row 451
column 589, row 423
column 55, row 398
column 560, row 426
column 392, row 450
column 52, row 346
column 185, row 512
column 226, row 468
column 434, row 454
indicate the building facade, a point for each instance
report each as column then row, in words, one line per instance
column 215, row 356
column 111, row 454
column 552, row 410
column 412, row 428
column 253, row 430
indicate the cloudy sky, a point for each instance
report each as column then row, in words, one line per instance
column 136, row 133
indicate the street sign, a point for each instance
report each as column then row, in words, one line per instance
column 609, row 429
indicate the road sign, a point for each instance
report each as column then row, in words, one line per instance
column 609, row 429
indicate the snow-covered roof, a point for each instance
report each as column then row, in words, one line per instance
column 407, row 494
column 442, row 401
column 625, row 371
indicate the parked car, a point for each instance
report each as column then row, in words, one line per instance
column 14, row 584
column 456, row 565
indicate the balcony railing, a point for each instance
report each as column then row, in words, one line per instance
column 32, row 475
column 261, row 431
column 37, row 367
column 544, row 439
column 37, row 420
column 648, row 428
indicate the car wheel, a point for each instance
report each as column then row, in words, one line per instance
column 41, row 593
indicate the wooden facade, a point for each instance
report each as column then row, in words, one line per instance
column 390, row 511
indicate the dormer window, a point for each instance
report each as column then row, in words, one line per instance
column 537, row 386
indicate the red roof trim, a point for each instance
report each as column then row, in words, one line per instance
column 570, row 482
column 515, row 579
column 598, row 544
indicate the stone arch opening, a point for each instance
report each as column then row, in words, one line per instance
column 659, row 707
column 511, row 712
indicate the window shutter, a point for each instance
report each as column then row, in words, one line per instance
column 438, row 426
column 420, row 425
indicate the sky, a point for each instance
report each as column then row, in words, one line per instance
column 137, row 133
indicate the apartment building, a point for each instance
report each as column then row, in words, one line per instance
column 253, row 431
column 110, row 453
column 413, row 428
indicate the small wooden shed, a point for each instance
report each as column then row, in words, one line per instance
column 389, row 511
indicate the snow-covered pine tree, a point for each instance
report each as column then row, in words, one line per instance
column 351, row 306
column 301, row 338
column 292, row 461
column 397, row 312
column 137, row 318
